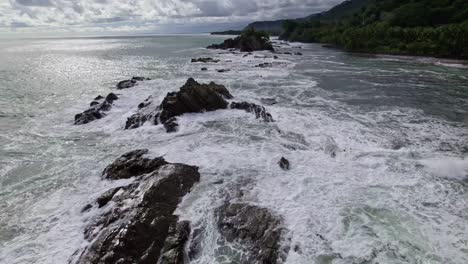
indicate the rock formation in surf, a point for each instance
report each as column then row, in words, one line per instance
column 255, row 228
column 136, row 223
column 248, row 41
column 125, row 84
column 193, row 97
column 99, row 106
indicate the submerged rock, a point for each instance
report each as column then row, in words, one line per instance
column 141, row 226
column 255, row 228
column 258, row 110
column 284, row 163
column 97, row 109
column 125, row 84
column 205, row 60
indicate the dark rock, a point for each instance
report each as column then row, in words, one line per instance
column 173, row 251
column 137, row 120
column 106, row 197
column 191, row 98
column 141, row 227
column 86, row 208
column 275, row 57
column 298, row 53
column 258, row 110
column 223, row 70
column 284, row 163
column 99, row 97
column 204, row 69
column 171, row 125
column 111, row 97
column 131, row 83
column 264, row 65
column 256, row 229
column 287, row 53
column 218, row 182
column 248, row 42
column 126, row 84
column 132, row 164
column 194, row 97
column 268, row 101
column 205, row 60
column 96, row 111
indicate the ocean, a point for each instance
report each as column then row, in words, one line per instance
column 377, row 145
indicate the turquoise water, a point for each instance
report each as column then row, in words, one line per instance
column 395, row 193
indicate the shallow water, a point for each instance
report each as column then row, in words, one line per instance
column 396, row 191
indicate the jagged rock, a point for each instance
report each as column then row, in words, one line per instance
column 132, row 164
column 205, row 60
column 258, row 110
column 97, row 109
column 173, row 251
column 264, row 65
column 193, row 97
column 141, row 226
column 255, row 228
column 130, row 83
column 106, row 197
column 284, row 163
column 247, row 42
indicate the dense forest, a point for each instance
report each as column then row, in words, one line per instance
column 412, row 27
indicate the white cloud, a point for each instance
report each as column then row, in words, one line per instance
column 82, row 15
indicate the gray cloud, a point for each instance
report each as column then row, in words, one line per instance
column 150, row 14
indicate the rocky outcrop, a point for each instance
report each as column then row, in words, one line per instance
column 131, row 83
column 99, row 106
column 247, row 42
column 258, row 110
column 140, row 226
column 205, row 60
column 193, row 97
column 256, row 228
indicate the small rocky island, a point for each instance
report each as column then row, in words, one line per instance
column 249, row 41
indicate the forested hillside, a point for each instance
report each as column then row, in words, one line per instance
column 412, row 27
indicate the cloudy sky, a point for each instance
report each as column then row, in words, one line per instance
column 155, row 16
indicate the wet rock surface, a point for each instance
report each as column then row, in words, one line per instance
column 99, row 106
column 125, row 84
column 258, row 110
column 140, row 226
column 132, row 164
column 255, row 228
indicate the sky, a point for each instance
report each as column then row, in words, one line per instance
column 146, row 16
